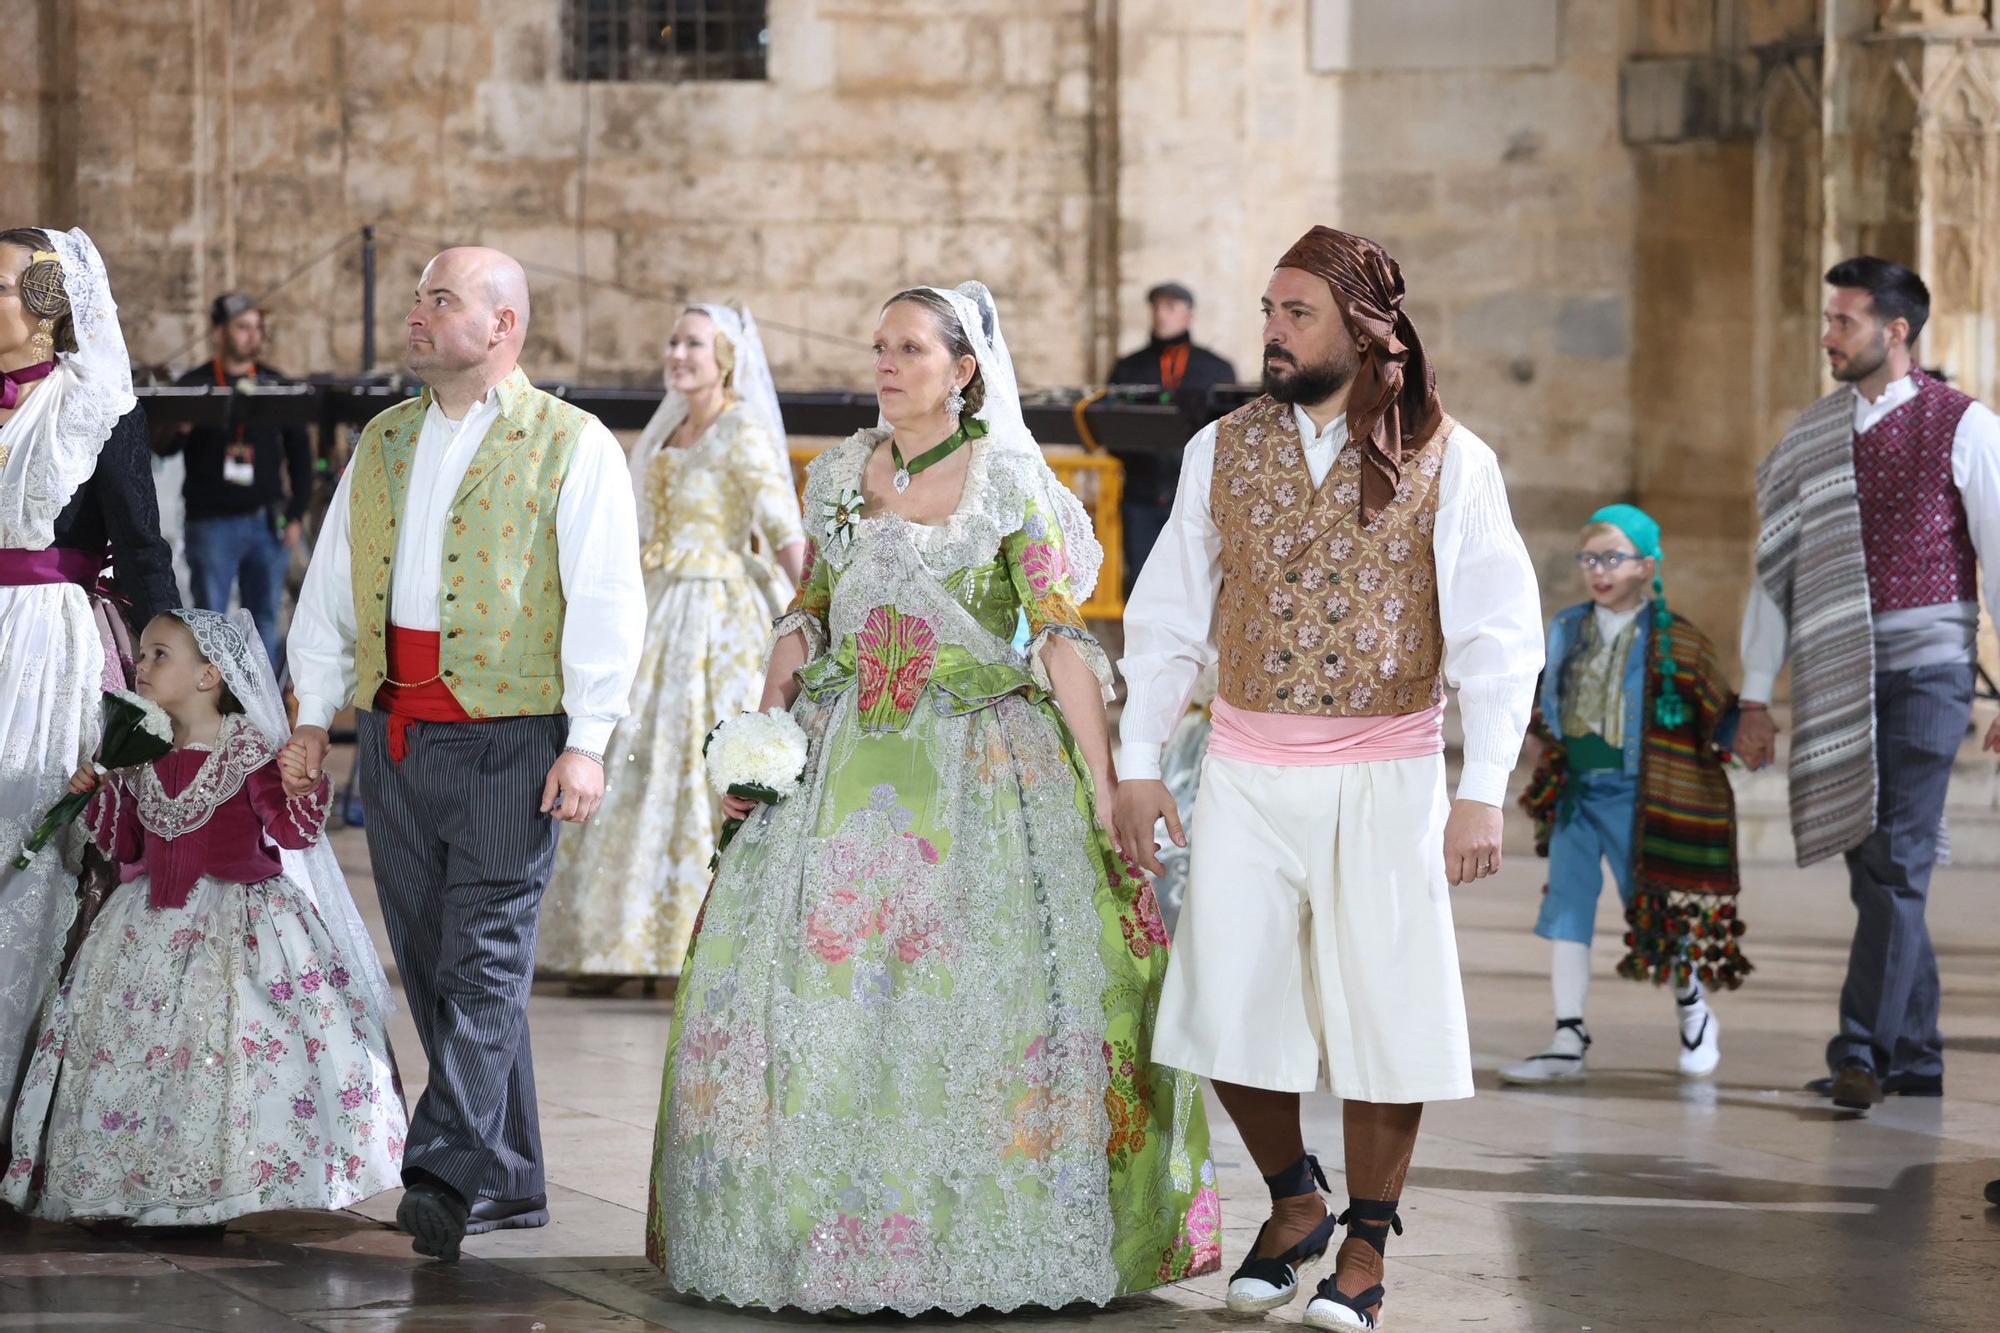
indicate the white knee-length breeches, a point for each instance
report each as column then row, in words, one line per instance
column 1315, row 949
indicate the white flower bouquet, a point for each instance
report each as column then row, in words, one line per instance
column 757, row 756
column 136, row 731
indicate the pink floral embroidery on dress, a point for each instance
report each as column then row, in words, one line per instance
column 914, row 924
column 838, row 924
column 1203, row 1231
column 1144, row 929
column 894, row 655
column 1044, row 565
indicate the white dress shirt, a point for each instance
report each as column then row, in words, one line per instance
column 597, row 558
column 1975, row 470
column 1487, row 601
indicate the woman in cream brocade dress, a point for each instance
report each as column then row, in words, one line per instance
column 627, row 885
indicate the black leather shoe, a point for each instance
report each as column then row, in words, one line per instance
column 1855, row 1088
column 1896, row 1085
column 435, row 1219
column 1993, row 1192
column 507, row 1214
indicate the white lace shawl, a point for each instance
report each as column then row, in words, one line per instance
column 55, row 436
column 1000, row 484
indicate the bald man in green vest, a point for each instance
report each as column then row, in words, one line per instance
column 476, row 595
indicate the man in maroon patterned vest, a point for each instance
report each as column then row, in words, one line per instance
column 1877, row 510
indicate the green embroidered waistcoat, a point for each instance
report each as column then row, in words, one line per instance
column 500, row 607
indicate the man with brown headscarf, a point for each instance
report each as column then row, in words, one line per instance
column 1342, row 549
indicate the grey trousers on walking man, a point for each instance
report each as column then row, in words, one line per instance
column 461, row 854
column 1889, row 1004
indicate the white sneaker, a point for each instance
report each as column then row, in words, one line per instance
column 1701, row 1041
column 1562, row 1062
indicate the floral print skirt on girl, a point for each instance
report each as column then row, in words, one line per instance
column 212, row 1052
column 202, row 1063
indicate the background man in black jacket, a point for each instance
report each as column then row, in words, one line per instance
column 1182, row 373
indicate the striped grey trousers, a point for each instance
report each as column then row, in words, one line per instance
column 461, row 855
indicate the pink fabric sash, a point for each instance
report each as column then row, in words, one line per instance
column 58, row 564
column 1290, row 741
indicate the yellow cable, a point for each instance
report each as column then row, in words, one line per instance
column 1083, row 431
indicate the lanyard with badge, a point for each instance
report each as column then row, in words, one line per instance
column 239, row 457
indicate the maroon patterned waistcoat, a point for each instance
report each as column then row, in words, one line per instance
column 1914, row 532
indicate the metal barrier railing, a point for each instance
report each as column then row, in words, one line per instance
column 1094, row 421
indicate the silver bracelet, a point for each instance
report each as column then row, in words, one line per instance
column 587, row 754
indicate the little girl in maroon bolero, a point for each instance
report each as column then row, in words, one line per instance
column 220, row 1045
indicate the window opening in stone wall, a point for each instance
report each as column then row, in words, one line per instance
column 665, row 41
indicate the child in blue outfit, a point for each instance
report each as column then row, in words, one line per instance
column 1631, row 730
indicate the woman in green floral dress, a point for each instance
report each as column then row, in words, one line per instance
column 910, row 1059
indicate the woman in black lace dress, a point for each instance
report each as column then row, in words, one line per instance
column 76, row 502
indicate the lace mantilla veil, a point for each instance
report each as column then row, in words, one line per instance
column 1007, row 432
column 750, row 381
column 232, row 644
column 91, row 389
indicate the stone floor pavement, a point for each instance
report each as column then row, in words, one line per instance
column 1634, row 1204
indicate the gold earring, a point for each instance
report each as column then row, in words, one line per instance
column 43, row 345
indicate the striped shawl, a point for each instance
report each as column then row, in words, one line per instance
column 1809, row 558
column 1683, row 918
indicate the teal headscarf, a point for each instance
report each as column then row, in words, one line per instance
column 1669, row 709
column 1636, row 524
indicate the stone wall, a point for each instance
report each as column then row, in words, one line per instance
column 26, row 125
column 1612, row 216
column 1721, row 112
column 228, row 143
column 1506, row 193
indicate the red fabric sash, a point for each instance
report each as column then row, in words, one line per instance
column 414, row 656
column 58, row 564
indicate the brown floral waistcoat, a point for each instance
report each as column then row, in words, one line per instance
column 1320, row 614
